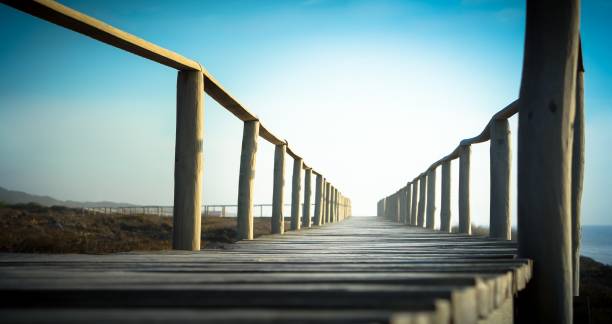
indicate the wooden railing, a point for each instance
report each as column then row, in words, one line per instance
column 550, row 166
column 404, row 206
column 193, row 80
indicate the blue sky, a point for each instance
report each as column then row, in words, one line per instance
column 368, row 92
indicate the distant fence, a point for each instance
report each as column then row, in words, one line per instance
column 260, row 210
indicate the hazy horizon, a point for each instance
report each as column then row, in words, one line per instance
column 369, row 93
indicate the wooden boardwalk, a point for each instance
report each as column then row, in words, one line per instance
column 362, row 270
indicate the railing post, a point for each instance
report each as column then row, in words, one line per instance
column 327, row 202
column 324, row 201
column 402, row 205
column 408, row 195
column 384, row 207
column 389, row 207
column 465, row 225
column 306, row 213
column 421, row 216
column 248, row 159
column 340, row 207
column 396, row 207
column 332, row 204
column 431, row 199
column 296, row 188
column 278, row 220
column 413, row 209
column 445, row 209
column 577, row 173
column 335, row 205
column 500, row 157
column 392, row 206
column 545, row 141
column 318, row 200
column 188, row 162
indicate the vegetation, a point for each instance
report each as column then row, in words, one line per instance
column 482, row 231
column 33, row 228
column 596, row 284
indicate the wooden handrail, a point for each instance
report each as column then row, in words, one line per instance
column 484, row 136
column 427, row 179
column 74, row 20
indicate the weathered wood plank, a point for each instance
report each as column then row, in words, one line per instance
column 370, row 264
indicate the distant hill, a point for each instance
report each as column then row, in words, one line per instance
column 20, row 197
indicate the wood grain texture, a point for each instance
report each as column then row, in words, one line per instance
column 246, row 179
column 296, row 193
column 306, row 218
column 278, row 224
column 431, row 199
column 465, row 223
column 500, row 160
column 577, row 173
column 421, row 211
column 364, row 269
column 188, row 161
column 445, row 201
column 545, row 143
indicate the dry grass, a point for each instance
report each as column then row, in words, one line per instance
column 32, row 228
column 596, row 284
column 478, row 230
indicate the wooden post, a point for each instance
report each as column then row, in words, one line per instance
column 318, row 200
column 421, row 216
column 392, row 207
column 577, row 173
column 338, row 201
column 500, row 157
column 413, row 209
column 296, row 189
column 408, row 203
column 248, row 159
column 188, row 161
column 327, row 202
column 339, row 206
column 334, row 217
column 445, row 209
column 323, row 201
column 306, row 213
column 465, row 225
column 545, row 144
column 431, row 199
column 336, row 205
column 385, row 206
column 278, row 220
column 402, row 205
column 332, row 208
column 398, row 207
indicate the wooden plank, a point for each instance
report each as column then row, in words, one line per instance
column 363, row 263
column 191, row 315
